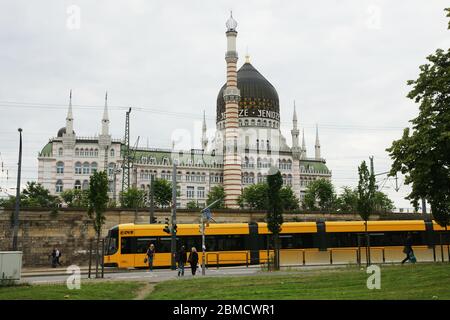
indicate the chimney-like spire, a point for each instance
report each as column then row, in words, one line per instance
column 295, row 135
column 317, row 145
column 105, row 119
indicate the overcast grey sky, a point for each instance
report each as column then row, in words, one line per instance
column 345, row 63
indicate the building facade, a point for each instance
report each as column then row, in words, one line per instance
column 247, row 143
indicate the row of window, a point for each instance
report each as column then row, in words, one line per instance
column 249, row 178
column 85, row 168
column 59, row 187
column 190, row 192
column 253, row 123
column 136, row 245
column 266, row 163
column 189, row 177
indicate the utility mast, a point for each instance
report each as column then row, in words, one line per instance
column 126, row 164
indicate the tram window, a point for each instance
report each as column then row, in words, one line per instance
column 230, row 243
column 112, row 241
column 190, row 242
column 126, row 245
column 143, row 243
column 163, row 245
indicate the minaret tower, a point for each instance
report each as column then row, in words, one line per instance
column 317, row 145
column 104, row 139
column 231, row 96
column 204, row 137
column 69, row 137
column 295, row 134
column 303, row 152
column 105, row 119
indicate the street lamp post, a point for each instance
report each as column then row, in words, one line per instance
column 202, row 230
column 17, row 206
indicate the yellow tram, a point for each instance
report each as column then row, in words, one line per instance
column 301, row 242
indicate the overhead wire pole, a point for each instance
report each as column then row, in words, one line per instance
column 126, row 154
column 17, row 206
column 173, row 239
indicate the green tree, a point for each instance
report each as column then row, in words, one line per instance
column 34, row 195
column 347, row 201
column 98, row 202
column 289, row 199
column 254, row 196
column 75, row 198
column 133, row 198
column 274, row 210
column 217, row 192
column 366, row 197
column 382, row 202
column 423, row 153
column 162, row 192
column 192, row 205
column 320, row 195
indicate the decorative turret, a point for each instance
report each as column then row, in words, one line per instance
column 303, row 152
column 295, row 133
column 105, row 119
column 204, row 137
column 67, row 133
column 104, row 139
column 317, row 145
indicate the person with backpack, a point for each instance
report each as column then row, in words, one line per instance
column 193, row 260
column 150, row 256
column 57, row 256
column 181, row 260
column 408, row 250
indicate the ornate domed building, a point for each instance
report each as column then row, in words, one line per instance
column 247, row 143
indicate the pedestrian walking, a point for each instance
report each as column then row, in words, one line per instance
column 408, row 250
column 57, row 256
column 181, row 260
column 193, row 260
column 150, row 256
column 53, row 258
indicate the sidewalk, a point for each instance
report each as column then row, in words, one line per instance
column 31, row 272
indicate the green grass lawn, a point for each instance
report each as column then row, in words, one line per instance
column 88, row 291
column 420, row 281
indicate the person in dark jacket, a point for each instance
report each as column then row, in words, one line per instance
column 150, row 256
column 193, row 260
column 181, row 260
column 53, row 257
column 408, row 248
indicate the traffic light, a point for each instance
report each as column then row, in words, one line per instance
column 167, row 228
column 175, row 228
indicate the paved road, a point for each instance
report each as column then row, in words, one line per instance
column 159, row 275
column 141, row 275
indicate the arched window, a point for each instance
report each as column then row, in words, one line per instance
column 60, row 167
column 59, row 186
column 81, row 152
column 85, row 185
column 91, row 152
column 86, row 168
column 77, row 152
column 289, row 180
column 111, row 152
column 96, row 153
column 60, row 152
column 251, row 178
column 289, row 164
column 260, row 178
column 78, row 168
column 94, row 167
column 258, row 163
column 77, row 185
